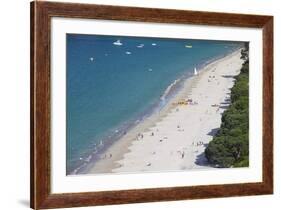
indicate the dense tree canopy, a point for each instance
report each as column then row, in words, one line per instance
column 230, row 146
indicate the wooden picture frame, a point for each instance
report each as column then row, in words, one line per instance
column 41, row 14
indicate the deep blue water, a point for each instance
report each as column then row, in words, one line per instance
column 111, row 86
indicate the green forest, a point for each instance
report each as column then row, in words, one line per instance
column 230, row 145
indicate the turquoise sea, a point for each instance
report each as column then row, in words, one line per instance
column 114, row 82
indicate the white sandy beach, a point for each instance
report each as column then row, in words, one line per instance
column 175, row 138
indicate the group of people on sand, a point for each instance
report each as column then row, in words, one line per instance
column 212, row 77
column 179, row 128
column 139, row 136
column 165, row 137
column 192, row 102
column 182, row 154
column 107, row 156
column 199, row 143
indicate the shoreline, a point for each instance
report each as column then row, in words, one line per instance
column 130, row 152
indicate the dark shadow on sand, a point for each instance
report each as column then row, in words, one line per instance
column 226, row 102
column 227, row 76
column 224, row 107
column 201, row 160
column 212, row 133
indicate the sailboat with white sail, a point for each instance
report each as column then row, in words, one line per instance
column 195, row 72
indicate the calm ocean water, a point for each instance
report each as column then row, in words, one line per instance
column 113, row 84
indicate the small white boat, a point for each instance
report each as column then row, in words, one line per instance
column 149, row 69
column 140, row 46
column 188, row 46
column 153, row 44
column 118, row 43
column 128, row 53
column 195, row 72
column 91, row 59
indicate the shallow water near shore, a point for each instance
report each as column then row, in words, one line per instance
column 111, row 88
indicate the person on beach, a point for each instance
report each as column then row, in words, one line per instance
column 139, row 136
column 182, row 155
